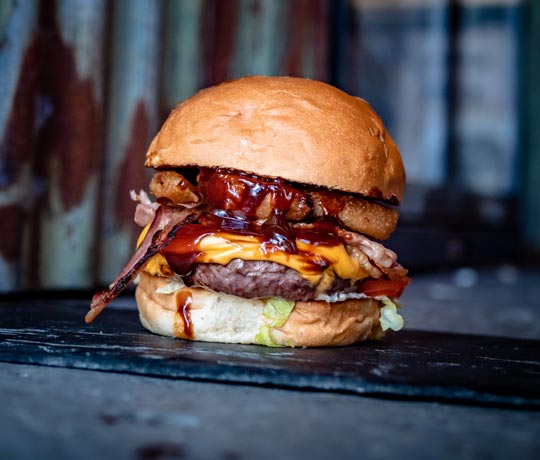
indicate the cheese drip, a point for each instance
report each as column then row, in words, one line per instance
column 311, row 261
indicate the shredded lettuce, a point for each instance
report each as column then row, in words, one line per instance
column 277, row 311
column 390, row 318
column 263, row 337
column 170, row 288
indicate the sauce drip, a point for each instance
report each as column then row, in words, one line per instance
column 184, row 252
column 331, row 203
column 319, row 233
column 245, row 193
column 278, row 234
column 232, row 200
column 242, row 196
column 183, row 307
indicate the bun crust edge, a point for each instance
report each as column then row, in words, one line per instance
column 217, row 317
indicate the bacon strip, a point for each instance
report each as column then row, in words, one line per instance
column 167, row 221
column 146, row 208
column 383, row 258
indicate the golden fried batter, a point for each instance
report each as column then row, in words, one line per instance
column 357, row 214
column 297, row 211
column 173, row 187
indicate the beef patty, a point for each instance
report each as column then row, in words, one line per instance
column 252, row 279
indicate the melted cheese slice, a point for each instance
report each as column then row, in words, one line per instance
column 311, row 261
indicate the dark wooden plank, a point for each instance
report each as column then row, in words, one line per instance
column 409, row 365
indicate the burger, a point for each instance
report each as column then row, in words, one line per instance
column 271, row 195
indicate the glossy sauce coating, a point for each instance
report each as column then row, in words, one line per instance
column 244, row 193
column 331, row 203
column 241, row 195
column 232, row 200
column 322, row 232
column 183, row 308
column 184, row 252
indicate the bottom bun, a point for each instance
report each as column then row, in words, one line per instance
column 199, row 314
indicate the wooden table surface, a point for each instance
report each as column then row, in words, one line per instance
column 73, row 412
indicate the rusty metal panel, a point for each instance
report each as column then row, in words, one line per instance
column 182, row 61
column 487, row 123
column 307, row 39
column 219, row 24
column 385, row 43
column 210, row 41
column 18, row 82
column 260, row 39
column 132, row 121
column 69, row 141
column 269, row 37
column 82, row 95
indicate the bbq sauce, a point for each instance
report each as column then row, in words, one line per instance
column 331, row 203
column 232, row 200
column 278, row 235
column 183, row 308
column 183, row 251
column 244, row 193
column 238, row 196
column 323, row 232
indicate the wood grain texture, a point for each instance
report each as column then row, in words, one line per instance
column 86, row 415
column 408, row 365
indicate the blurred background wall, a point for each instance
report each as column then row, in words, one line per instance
column 85, row 84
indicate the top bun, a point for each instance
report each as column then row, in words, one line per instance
column 300, row 130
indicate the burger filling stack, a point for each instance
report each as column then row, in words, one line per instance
column 270, row 198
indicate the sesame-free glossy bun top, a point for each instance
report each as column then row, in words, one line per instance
column 297, row 129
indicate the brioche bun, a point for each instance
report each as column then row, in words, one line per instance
column 217, row 317
column 277, row 127
column 303, row 131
